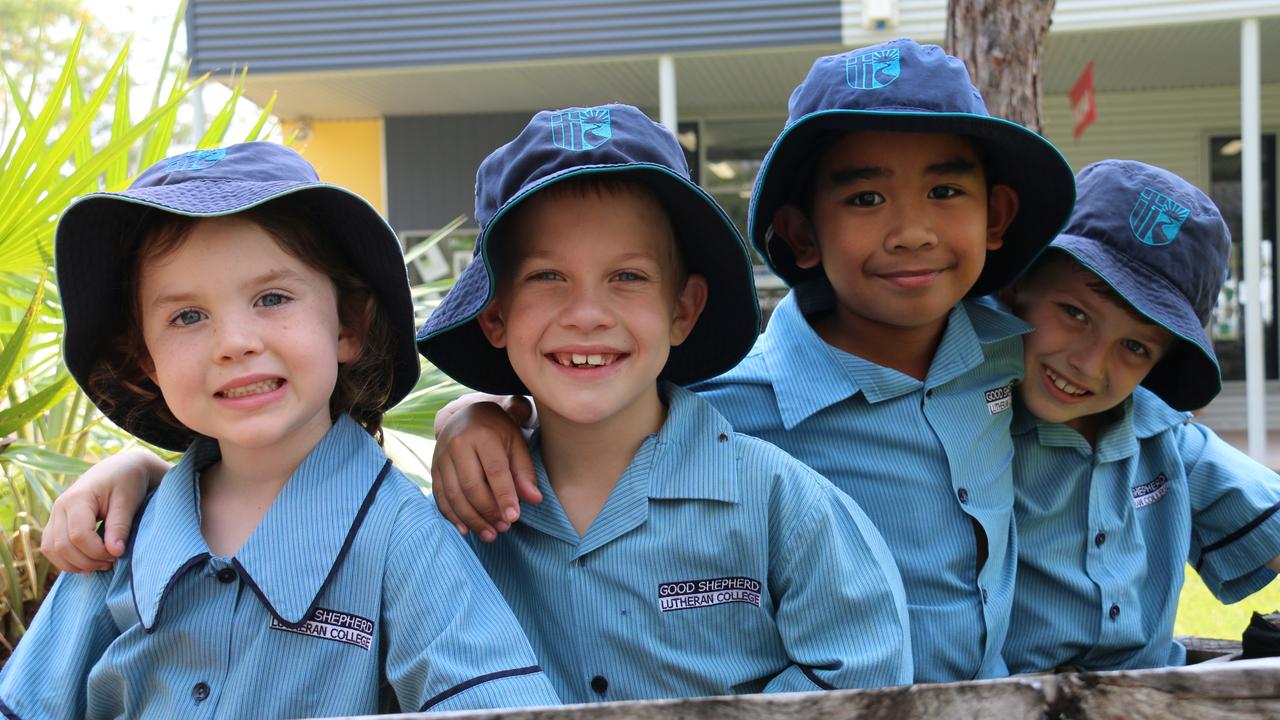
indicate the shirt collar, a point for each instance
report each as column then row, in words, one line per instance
column 297, row 546
column 1116, row 441
column 809, row 375
column 690, row 457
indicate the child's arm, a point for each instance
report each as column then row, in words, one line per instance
column 1235, row 536
column 112, row 490
column 481, row 468
column 46, row 675
column 841, row 608
column 452, row 642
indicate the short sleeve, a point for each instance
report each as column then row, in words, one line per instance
column 840, row 606
column 46, row 677
column 1235, row 526
column 453, row 644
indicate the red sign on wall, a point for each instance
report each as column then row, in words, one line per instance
column 1084, row 104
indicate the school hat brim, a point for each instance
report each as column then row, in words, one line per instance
column 453, row 341
column 95, row 234
column 1013, row 155
column 1188, row 376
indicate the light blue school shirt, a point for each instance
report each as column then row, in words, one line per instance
column 351, row 593
column 717, row 565
column 928, row 461
column 1105, row 535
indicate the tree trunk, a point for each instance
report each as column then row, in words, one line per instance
column 1001, row 42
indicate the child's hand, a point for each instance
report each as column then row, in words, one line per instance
column 112, row 490
column 481, row 468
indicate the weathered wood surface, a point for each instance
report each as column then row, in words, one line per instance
column 1212, row 691
column 1001, row 41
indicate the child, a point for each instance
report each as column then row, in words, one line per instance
column 1117, row 490
column 672, row 556
column 890, row 196
column 231, row 305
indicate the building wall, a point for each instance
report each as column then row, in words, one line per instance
column 1169, row 128
column 346, row 153
column 317, row 35
column 432, row 162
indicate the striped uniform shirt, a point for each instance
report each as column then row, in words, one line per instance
column 1105, row 535
column 928, row 461
column 352, row 595
column 717, row 565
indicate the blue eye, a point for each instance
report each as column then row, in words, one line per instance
column 272, row 299
column 187, row 317
column 630, row 276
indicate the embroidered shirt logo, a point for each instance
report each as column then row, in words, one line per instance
column 1152, row 492
column 999, row 399
column 333, row 625
column 1156, row 219
column 581, row 129
column 687, row 594
column 195, row 160
column 872, row 70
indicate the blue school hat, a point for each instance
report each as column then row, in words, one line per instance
column 901, row 86
column 95, row 236
column 1162, row 244
column 617, row 141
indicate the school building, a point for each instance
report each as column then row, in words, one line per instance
column 401, row 99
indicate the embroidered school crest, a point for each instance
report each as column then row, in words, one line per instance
column 581, row 129
column 1152, row 492
column 1157, row 218
column 872, row 70
column 195, row 160
column 689, row 594
column 333, row 625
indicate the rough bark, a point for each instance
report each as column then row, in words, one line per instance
column 1001, row 41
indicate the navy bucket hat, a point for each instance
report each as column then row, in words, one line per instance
column 95, row 235
column 901, row 86
column 1162, row 244
column 618, row 141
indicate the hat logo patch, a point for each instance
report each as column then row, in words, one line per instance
column 872, row 70
column 1156, row 218
column 581, row 129
column 195, row 160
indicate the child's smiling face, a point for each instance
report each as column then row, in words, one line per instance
column 243, row 338
column 901, row 224
column 1087, row 352
column 590, row 302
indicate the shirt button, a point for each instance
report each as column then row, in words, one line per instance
column 200, row 692
column 1114, row 612
column 928, row 393
column 599, row 684
column 226, row 575
column 984, row 596
column 962, row 495
column 1100, row 538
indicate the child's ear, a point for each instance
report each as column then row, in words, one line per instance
column 1002, row 208
column 689, row 306
column 493, row 324
column 351, row 338
column 149, row 367
column 790, row 222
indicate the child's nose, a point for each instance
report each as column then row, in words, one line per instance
column 236, row 339
column 586, row 309
column 1089, row 359
column 911, row 229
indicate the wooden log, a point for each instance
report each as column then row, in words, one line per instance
column 1214, row 691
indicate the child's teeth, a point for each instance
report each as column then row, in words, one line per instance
column 595, row 360
column 579, row 359
column 254, row 389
